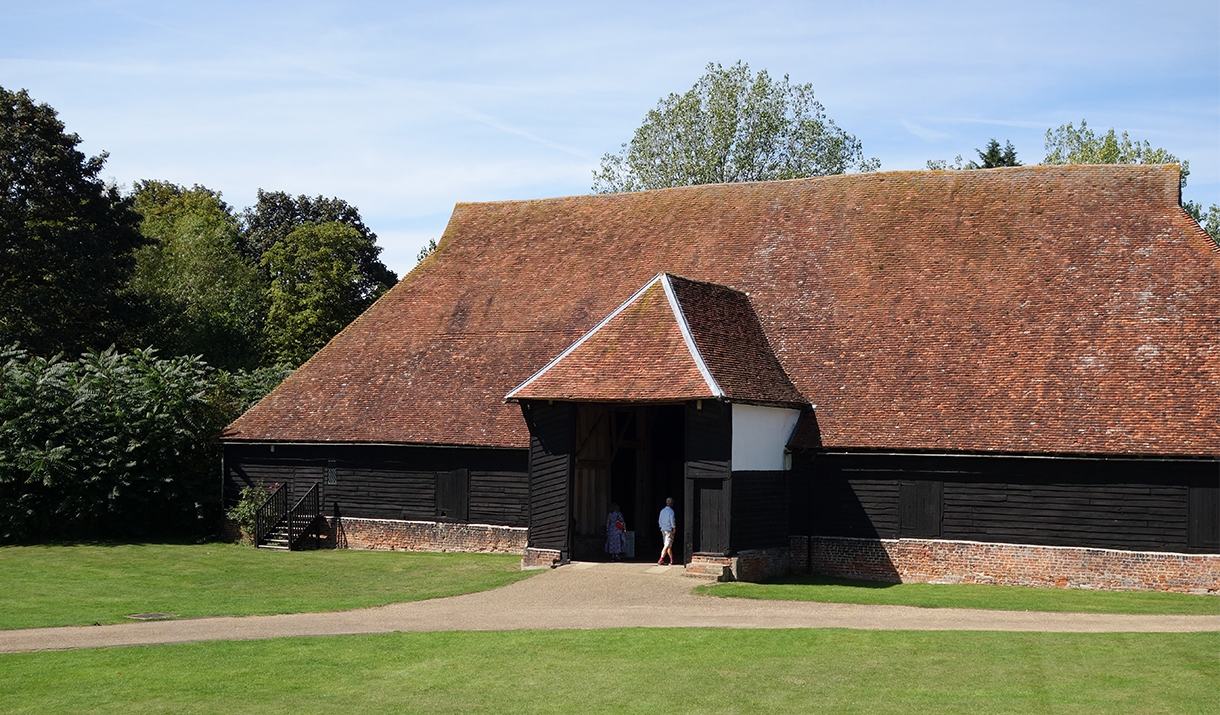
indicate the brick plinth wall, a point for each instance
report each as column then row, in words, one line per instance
column 396, row 535
column 710, row 566
column 761, row 564
column 936, row 561
column 540, row 558
column 752, row 565
column 798, row 554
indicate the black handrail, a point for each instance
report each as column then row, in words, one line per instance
column 303, row 517
column 270, row 513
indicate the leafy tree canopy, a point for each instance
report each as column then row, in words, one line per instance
column 426, row 251
column 66, row 239
column 1208, row 218
column 1069, row 145
column 991, row 157
column 317, row 288
column 732, row 125
column 994, row 156
column 209, row 300
column 276, row 214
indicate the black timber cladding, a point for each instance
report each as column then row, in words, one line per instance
column 708, row 442
column 390, row 481
column 760, row 510
column 1203, row 514
column 709, row 439
column 1119, row 503
column 550, row 463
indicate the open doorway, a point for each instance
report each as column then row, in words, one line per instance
column 630, row 455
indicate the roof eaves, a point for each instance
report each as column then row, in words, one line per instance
column 787, row 404
column 688, row 338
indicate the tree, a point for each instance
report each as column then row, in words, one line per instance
column 1069, row 145
column 731, row 126
column 208, row 299
column 277, row 214
column 317, row 288
column 426, row 251
column 991, row 157
column 1208, row 219
column 66, row 239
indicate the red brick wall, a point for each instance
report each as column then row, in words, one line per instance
column 798, row 554
column 936, row 561
column 751, row 565
column 395, row 535
column 540, row 558
column 717, row 567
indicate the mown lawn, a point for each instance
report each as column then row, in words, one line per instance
column 1007, row 598
column 633, row 671
column 86, row 584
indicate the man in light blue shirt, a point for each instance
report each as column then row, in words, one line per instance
column 668, row 525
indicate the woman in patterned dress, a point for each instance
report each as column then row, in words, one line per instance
column 616, row 533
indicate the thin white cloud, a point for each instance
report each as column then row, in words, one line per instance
column 923, row 132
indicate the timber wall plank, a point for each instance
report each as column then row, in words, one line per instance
column 387, row 481
column 760, row 510
column 1133, row 504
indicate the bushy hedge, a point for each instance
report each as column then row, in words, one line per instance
column 115, row 445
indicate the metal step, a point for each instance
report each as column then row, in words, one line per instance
column 273, row 547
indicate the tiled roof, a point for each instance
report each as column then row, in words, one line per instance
column 674, row 340
column 1030, row 309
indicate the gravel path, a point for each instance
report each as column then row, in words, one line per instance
column 587, row 596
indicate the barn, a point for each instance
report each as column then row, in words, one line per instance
column 1005, row 376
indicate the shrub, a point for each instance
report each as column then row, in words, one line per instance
column 114, row 445
column 242, row 513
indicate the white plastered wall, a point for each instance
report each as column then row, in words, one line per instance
column 760, row 435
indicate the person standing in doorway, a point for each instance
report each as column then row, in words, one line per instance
column 616, row 533
column 668, row 526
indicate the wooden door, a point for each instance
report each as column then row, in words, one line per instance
column 453, row 495
column 712, row 516
column 919, row 508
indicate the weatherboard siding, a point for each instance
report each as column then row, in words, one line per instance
column 388, row 481
column 1134, row 504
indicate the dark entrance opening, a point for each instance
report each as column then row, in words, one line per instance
column 632, row 456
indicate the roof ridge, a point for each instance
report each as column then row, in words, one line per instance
column 713, row 284
column 835, row 178
column 675, row 306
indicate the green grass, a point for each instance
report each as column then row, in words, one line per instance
column 1006, row 598
column 633, row 671
column 86, row 584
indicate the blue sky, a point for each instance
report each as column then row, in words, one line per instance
column 405, row 109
